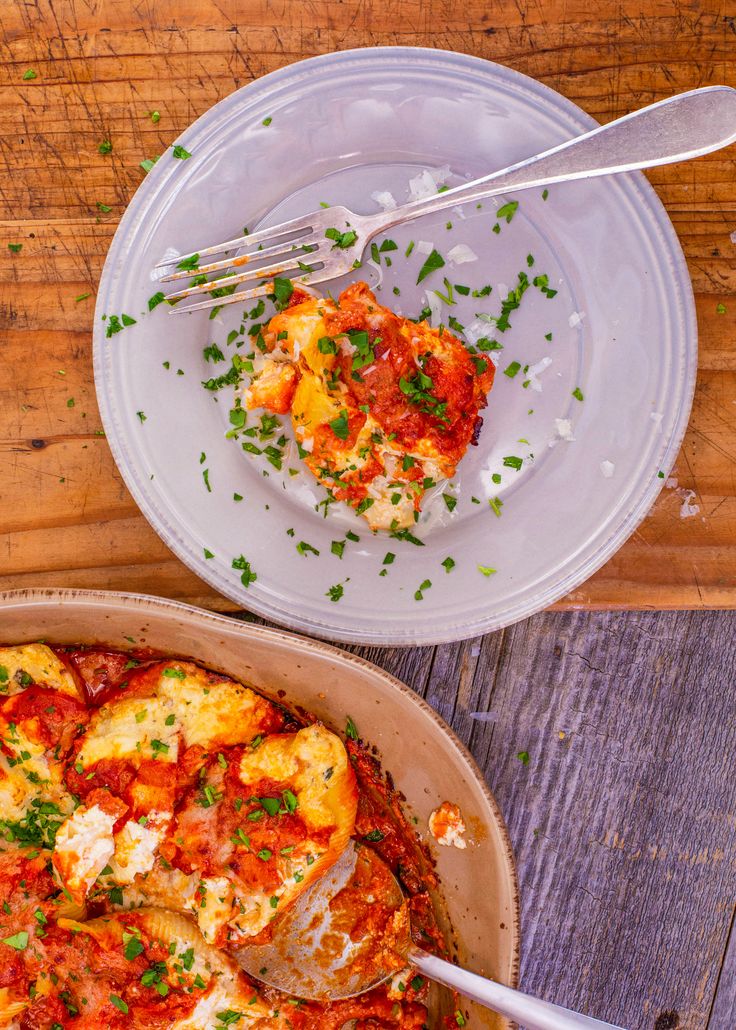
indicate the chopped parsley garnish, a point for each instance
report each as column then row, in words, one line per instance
column 450, row 501
column 374, row 836
column 523, row 757
column 496, row 504
column 119, row 1003
column 578, row 394
column 116, row 324
column 282, row 291
column 335, row 592
column 417, row 391
column 188, row 264
column 228, row 1017
column 180, row 153
column 155, row 300
column 133, row 946
column 141, row 414
column 512, row 369
column 105, row 147
column 29, row 74
column 542, row 284
column 364, row 353
column 267, row 121
column 389, row 558
column 512, row 462
column 213, row 353
column 339, row 425
column 408, row 536
column 304, row 548
column 508, row 211
column 148, row 163
column 338, row 547
column 433, row 262
column 449, row 564
column 248, row 575
column 326, row 345
column 351, row 730
column 419, row 594
column 104, row 208
column 486, row 570
column 343, row 240
column 19, row 941
column 37, row 826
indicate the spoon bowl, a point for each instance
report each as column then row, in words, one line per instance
column 350, row 931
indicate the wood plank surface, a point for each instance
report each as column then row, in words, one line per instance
column 102, row 66
column 623, row 820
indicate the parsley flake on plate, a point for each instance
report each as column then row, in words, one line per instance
column 433, row 262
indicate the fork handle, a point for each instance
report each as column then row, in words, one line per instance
column 676, row 129
column 529, row 1012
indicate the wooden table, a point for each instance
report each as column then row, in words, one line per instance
column 623, row 820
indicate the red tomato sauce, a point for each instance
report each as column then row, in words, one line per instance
column 82, row 968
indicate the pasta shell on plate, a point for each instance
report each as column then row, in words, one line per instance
column 382, row 406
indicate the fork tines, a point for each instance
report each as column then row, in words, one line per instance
column 293, row 240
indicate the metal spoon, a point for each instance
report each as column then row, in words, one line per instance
column 350, row 931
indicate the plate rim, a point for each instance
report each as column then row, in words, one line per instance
column 511, row 614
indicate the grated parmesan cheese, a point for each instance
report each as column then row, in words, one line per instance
column 426, row 182
column 384, row 199
column 534, row 371
column 563, row 428
column 576, row 319
column 460, row 254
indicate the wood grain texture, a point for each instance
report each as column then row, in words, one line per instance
column 102, row 67
column 623, row 820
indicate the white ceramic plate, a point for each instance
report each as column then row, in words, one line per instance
column 622, row 332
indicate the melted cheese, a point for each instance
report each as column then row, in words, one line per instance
column 214, row 908
column 40, row 663
column 135, row 846
column 126, row 728
column 84, row 846
column 315, row 764
column 28, row 773
column 212, row 714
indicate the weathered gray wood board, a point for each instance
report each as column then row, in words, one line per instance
column 624, row 819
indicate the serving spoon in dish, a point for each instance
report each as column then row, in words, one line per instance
column 325, row 244
column 350, row 931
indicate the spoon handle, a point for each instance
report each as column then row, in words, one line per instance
column 525, row 1010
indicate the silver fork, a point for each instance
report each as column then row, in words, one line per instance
column 327, row 243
